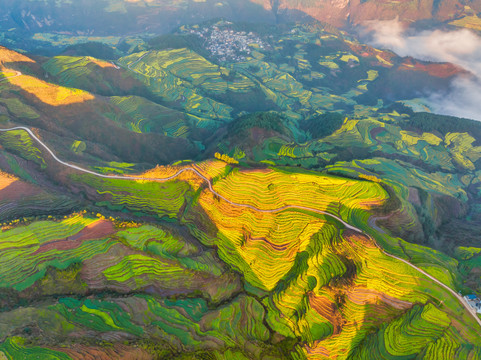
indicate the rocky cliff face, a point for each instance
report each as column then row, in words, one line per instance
column 353, row 12
column 98, row 17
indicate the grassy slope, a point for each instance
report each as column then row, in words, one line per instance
column 78, row 115
column 324, row 288
column 332, row 293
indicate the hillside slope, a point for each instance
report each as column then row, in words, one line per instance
column 279, row 202
column 355, row 12
column 122, row 17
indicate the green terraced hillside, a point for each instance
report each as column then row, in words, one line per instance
column 278, row 199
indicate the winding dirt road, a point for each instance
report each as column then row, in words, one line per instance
column 462, row 300
column 459, row 297
column 194, row 170
column 136, row 61
column 17, row 73
column 470, row 310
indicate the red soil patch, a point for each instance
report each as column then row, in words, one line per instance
column 353, row 237
column 328, row 310
column 117, row 351
column 316, row 350
column 259, row 134
column 414, row 196
column 97, row 230
column 441, row 70
column 13, row 189
column 363, row 296
column 368, row 51
column 375, row 132
column 259, row 170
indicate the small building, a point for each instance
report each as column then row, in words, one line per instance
column 474, row 302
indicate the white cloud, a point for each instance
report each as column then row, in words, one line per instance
column 461, row 47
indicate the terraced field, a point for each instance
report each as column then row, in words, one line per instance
column 309, row 223
column 273, row 189
column 162, row 199
column 425, row 321
column 48, row 93
column 83, row 253
column 90, row 74
column 316, row 257
column 319, row 290
column 164, row 73
column 19, row 141
column 147, row 116
column 316, row 266
column 174, row 321
column 71, row 69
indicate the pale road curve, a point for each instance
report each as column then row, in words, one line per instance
column 470, row 310
column 459, row 297
column 115, row 65
column 209, row 183
column 136, row 61
column 17, row 73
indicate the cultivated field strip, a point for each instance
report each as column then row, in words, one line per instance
column 255, row 208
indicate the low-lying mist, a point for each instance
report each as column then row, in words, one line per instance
column 461, row 47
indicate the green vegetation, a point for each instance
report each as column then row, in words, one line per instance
column 422, row 329
column 323, row 125
column 177, row 41
column 82, row 252
column 301, row 129
column 19, row 109
column 428, row 122
column 147, row 116
column 267, row 121
column 95, row 49
column 20, row 142
column 143, row 197
column 14, row 348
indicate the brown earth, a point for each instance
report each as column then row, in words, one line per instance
column 442, row 70
column 12, row 189
column 363, row 296
column 342, row 13
column 328, row 310
column 116, row 351
column 97, row 230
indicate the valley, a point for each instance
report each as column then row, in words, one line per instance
column 285, row 202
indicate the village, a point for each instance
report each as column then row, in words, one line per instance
column 227, row 44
